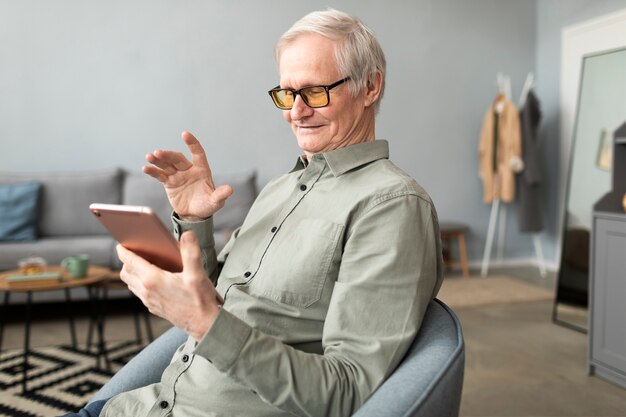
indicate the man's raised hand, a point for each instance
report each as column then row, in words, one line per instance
column 188, row 184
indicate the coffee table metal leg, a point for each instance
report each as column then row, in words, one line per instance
column 29, row 299
column 89, row 334
column 98, row 301
column 70, row 315
column 146, row 316
column 93, row 295
column 102, row 349
column 5, row 308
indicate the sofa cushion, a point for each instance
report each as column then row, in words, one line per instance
column 142, row 190
column 18, row 205
column 65, row 199
column 236, row 208
column 101, row 250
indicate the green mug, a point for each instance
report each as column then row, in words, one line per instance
column 76, row 265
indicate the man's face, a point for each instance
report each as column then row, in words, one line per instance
column 308, row 61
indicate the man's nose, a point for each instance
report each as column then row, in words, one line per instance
column 300, row 109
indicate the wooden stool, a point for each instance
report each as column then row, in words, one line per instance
column 448, row 232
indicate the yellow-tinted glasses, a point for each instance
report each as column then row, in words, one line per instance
column 315, row 96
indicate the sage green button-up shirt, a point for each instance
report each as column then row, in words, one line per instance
column 325, row 286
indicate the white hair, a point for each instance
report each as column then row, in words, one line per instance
column 358, row 53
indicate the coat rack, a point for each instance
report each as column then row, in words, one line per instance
column 504, row 87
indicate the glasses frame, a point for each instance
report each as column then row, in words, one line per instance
column 295, row 93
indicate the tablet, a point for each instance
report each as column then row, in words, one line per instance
column 140, row 230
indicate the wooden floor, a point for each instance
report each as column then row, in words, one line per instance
column 518, row 363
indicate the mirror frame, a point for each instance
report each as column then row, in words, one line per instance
column 601, row 34
column 573, row 277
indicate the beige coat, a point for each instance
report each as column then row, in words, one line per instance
column 499, row 183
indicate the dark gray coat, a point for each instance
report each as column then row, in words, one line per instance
column 529, row 180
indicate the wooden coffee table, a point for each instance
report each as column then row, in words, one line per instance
column 95, row 275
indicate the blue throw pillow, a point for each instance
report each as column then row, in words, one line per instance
column 18, row 211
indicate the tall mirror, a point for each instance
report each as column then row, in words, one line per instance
column 601, row 110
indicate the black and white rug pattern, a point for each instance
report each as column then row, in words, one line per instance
column 60, row 379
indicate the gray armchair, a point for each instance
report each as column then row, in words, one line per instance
column 427, row 383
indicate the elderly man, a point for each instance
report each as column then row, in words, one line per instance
column 321, row 291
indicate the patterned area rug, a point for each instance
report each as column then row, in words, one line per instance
column 477, row 291
column 60, row 379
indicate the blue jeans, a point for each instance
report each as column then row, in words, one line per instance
column 91, row 410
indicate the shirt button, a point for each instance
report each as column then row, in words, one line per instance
column 185, row 358
column 274, row 229
column 164, row 404
column 303, row 187
column 247, row 274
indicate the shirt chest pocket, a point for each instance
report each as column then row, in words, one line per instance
column 298, row 263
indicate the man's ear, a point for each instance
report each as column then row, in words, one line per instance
column 373, row 88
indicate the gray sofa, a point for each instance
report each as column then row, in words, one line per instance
column 65, row 226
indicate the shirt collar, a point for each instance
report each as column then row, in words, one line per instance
column 345, row 159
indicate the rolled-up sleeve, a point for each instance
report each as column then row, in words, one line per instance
column 204, row 233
